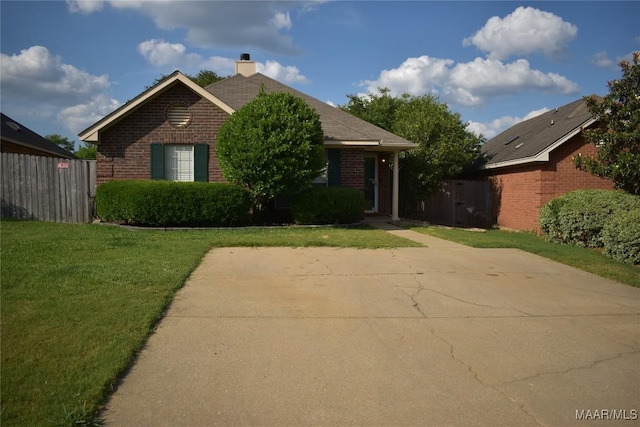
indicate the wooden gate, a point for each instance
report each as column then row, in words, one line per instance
column 48, row 188
column 458, row 203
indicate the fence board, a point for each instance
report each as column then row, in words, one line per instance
column 35, row 187
column 458, row 203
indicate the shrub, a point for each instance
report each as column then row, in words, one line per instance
column 621, row 237
column 328, row 205
column 577, row 218
column 166, row 203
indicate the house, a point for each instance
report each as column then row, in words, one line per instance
column 19, row 139
column 532, row 163
column 170, row 131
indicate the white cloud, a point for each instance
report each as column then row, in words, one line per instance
column 495, row 127
column 36, row 78
column 262, row 25
column 78, row 117
column 526, row 30
column 284, row 74
column 471, row 83
column 85, row 6
column 162, row 54
column 602, row 60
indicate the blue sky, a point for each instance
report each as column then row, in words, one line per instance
column 67, row 64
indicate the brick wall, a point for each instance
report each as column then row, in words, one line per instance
column 124, row 151
column 352, row 168
column 523, row 190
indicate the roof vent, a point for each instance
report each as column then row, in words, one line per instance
column 14, row 126
column 510, row 140
column 519, row 145
column 551, row 122
column 245, row 57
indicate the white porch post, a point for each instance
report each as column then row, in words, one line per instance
column 396, row 186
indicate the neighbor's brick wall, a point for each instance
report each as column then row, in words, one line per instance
column 525, row 189
column 124, row 151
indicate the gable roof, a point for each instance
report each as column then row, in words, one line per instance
column 534, row 139
column 340, row 128
column 91, row 134
column 19, row 134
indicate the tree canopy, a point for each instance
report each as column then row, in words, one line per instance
column 204, row 78
column 85, row 151
column 273, row 145
column 617, row 135
column 445, row 146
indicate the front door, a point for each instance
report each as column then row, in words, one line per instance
column 371, row 183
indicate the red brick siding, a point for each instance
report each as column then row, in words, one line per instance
column 124, row 151
column 352, row 168
column 523, row 190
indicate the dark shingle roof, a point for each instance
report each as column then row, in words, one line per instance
column 337, row 125
column 17, row 133
column 532, row 138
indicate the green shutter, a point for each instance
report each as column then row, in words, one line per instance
column 157, row 161
column 333, row 174
column 201, row 162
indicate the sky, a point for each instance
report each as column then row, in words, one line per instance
column 67, row 64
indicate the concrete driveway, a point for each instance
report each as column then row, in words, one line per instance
column 444, row 335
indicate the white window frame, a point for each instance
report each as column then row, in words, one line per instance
column 179, row 162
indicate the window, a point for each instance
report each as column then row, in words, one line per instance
column 178, row 162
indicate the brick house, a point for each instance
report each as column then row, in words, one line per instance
column 532, row 163
column 170, row 131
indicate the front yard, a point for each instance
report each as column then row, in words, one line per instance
column 79, row 301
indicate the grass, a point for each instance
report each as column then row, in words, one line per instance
column 590, row 260
column 79, row 301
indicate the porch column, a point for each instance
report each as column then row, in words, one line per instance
column 396, row 186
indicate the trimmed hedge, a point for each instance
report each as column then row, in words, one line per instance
column 621, row 237
column 328, row 205
column 577, row 218
column 167, row 203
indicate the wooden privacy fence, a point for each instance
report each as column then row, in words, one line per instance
column 458, row 203
column 48, row 188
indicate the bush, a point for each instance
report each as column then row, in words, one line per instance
column 621, row 237
column 166, row 203
column 577, row 218
column 328, row 205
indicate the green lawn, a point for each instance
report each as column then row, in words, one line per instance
column 78, row 302
column 590, row 260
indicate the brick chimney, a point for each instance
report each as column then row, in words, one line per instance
column 245, row 65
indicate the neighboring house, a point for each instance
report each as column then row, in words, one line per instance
column 17, row 138
column 170, row 132
column 532, row 163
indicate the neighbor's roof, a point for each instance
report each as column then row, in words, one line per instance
column 534, row 139
column 339, row 127
column 19, row 134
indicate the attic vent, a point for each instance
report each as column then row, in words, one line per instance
column 510, row 140
column 519, row 145
column 14, row 126
column 178, row 116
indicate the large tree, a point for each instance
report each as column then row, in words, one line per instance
column 617, row 135
column 273, row 145
column 204, row 78
column 445, row 146
column 61, row 141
